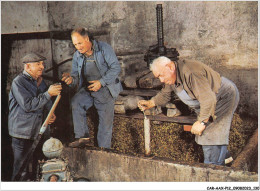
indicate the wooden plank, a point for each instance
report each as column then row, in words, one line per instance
column 245, row 159
column 140, row 92
column 161, row 117
column 57, row 35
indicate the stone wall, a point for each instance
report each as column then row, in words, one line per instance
column 24, row 17
column 223, row 34
column 219, row 33
column 103, row 166
column 22, row 47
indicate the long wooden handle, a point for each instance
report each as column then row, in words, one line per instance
column 46, row 122
column 23, row 163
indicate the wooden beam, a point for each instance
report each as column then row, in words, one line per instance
column 246, row 158
column 140, row 92
column 28, row 36
column 161, row 117
column 56, row 35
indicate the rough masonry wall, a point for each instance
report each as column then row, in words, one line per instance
column 24, row 17
column 221, row 34
column 21, row 48
column 226, row 31
column 103, row 166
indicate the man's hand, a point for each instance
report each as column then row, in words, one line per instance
column 197, row 128
column 52, row 119
column 67, row 78
column 95, row 85
column 144, row 104
column 54, row 89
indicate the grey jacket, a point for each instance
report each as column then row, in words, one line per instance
column 107, row 65
column 27, row 103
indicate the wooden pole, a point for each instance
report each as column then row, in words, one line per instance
column 26, row 158
column 46, row 122
column 147, row 136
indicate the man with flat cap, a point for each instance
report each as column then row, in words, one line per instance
column 29, row 98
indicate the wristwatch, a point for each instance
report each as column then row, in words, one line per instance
column 203, row 123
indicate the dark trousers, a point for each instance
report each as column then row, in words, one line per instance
column 20, row 148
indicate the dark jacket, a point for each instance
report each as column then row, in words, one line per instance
column 27, row 103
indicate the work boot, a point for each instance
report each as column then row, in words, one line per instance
column 79, row 142
column 75, row 143
column 84, row 141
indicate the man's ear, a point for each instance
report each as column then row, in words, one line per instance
column 26, row 66
column 171, row 66
column 86, row 38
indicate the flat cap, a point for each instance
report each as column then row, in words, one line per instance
column 32, row 57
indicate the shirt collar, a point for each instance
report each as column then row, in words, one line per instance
column 28, row 75
column 178, row 79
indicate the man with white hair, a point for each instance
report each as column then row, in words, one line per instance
column 213, row 98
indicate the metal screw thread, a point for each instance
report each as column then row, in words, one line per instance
column 159, row 15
